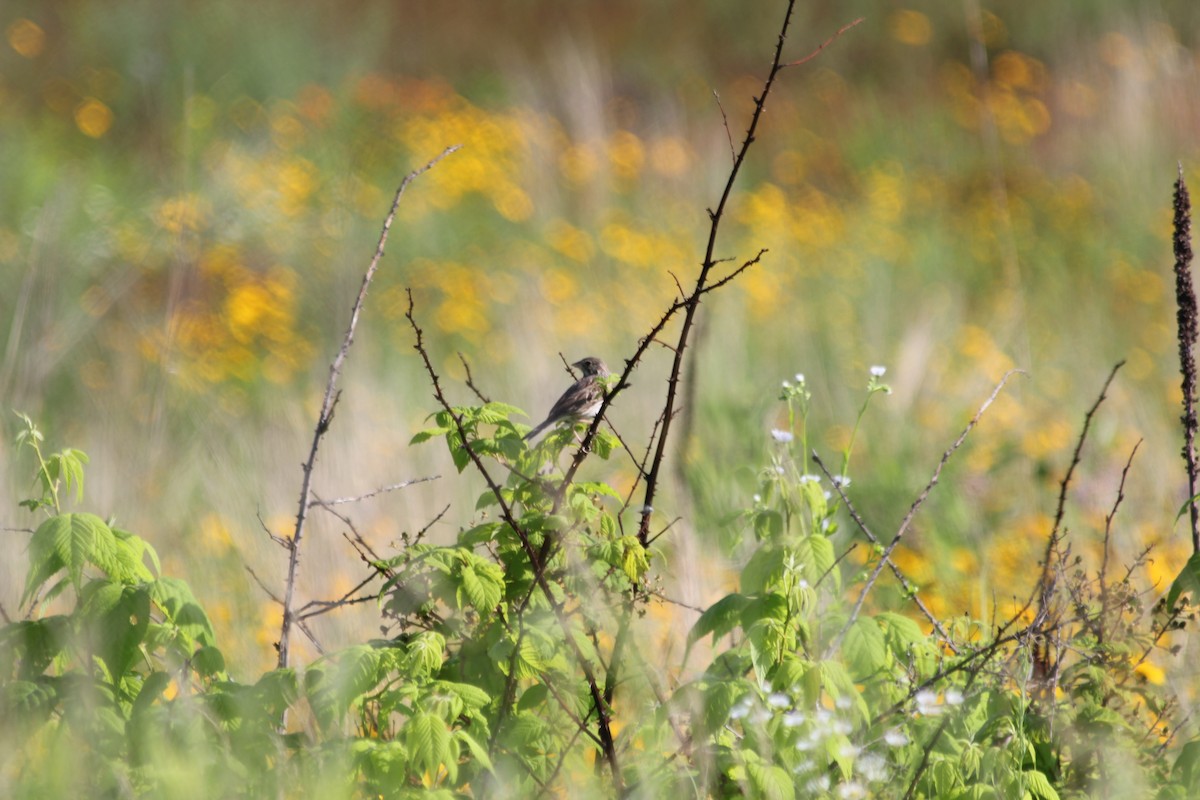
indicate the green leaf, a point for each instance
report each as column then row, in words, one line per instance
column 480, row 534
column 427, row 434
column 1187, row 766
column 770, row 782
column 603, row 443
column 634, row 561
column 864, row 648
column 478, row 751
column 152, row 688
column 208, row 661
column 1039, row 785
column 181, row 609
column 472, row 696
column 720, row 618
column 28, row 699
column 900, row 631
column 763, row 569
column 34, row 644
column 425, row 654
column 335, row 683
column 118, row 616
column 1187, row 581
column 70, row 542
column 718, row 700
column 428, row 742
column 483, row 584
column 493, row 413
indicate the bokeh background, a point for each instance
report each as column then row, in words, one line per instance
column 191, row 192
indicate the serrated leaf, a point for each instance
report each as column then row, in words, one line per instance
column 900, row 631
column 864, row 648
column 428, row 743
column 478, row 751
column 603, row 443
column 763, row 569
column 480, row 533
column 118, row 616
column 633, row 558
column 720, row 618
column 770, row 782
column 152, row 688
column 427, row 434
column 471, row 696
column 483, row 584
column 183, row 611
column 718, row 700
column 208, row 661
column 70, row 542
column 498, row 412
column 1039, row 785
column 425, row 654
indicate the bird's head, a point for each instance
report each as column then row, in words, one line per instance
column 591, row 366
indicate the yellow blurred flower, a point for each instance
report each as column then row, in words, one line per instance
column 26, row 37
column 186, row 212
column 626, row 154
column 910, row 27
column 670, row 156
column 93, row 118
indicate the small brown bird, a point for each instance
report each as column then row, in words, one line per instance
column 582, row 400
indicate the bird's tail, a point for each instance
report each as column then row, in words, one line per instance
column 535, row 431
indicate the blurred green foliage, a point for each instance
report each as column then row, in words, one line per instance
column 192, row 191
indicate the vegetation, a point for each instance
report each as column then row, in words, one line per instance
column 531, row 647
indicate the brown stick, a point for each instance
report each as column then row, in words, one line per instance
column 326, row 416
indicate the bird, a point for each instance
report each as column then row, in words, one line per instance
column 582, row 400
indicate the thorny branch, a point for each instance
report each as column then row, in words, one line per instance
column 325, row 417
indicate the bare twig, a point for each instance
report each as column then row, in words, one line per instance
column 824, row 44
column 471, row 380
column 912, row 511
column 728, row 135
column 909, row 589
column 1108, row 520
column 325, row 417
column 381, row 490
column 1044, row 584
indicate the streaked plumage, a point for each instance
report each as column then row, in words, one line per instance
column 582, row 400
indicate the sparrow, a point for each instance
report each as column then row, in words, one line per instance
column 582, row 400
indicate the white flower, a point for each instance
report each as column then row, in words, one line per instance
column 895, row 738
column 848, row 751
column 786, row 385
column 757, row 498
column 809, row 479
column 781, row 436
column 841, row 480
column 927, row 703
column 878, row 371
column 954, row 697
column 851, row 791
column 872, row 767
column 799, row 377
column 779, row 700
column 817, row 785
column 793, row 718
